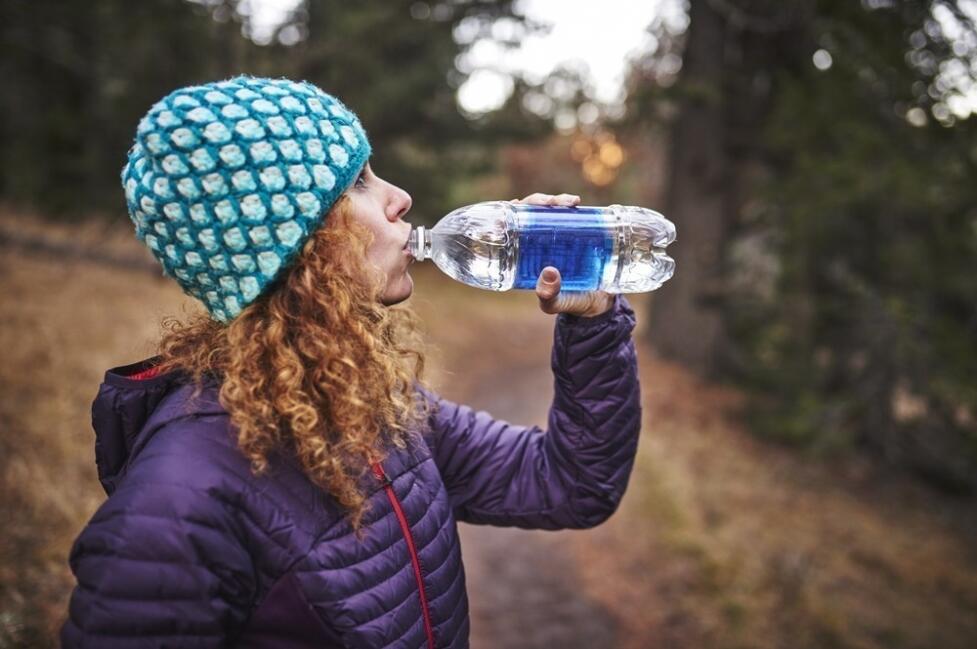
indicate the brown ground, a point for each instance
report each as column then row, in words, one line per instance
column 722, row 541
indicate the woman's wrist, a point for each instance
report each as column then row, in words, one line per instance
column 601, row 303
column 594, row 316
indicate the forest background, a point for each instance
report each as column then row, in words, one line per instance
column 817, row 156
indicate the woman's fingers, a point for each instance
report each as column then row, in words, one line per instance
column 566, row 200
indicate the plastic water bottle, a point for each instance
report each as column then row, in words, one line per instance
column 500, row 245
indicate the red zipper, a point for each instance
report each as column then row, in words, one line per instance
column 411, row 548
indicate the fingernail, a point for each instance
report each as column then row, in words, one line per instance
column 549, row 276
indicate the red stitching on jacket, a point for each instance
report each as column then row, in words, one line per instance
column 411, row 548
column 145, row 374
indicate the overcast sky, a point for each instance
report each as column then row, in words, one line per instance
column 601, row 35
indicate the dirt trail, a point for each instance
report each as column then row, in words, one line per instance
column 524, row 586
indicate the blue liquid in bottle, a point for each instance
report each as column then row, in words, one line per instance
column 577, row 241
column 499, row 246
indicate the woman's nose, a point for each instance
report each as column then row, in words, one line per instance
column 399, row 205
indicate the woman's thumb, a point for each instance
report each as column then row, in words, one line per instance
column 548, row 290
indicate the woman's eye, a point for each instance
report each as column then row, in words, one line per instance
column 360, row 180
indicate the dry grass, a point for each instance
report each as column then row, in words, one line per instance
column 722, row 541
column 62, row 324
column 727, row 542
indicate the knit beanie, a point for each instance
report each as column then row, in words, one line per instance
column 227, row 180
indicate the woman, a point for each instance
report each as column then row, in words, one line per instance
column 279, row 476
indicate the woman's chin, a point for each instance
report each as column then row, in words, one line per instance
column 400, row 291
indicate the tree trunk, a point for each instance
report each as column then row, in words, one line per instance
column 686, row 320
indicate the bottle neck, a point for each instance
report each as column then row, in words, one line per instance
column 419, row 243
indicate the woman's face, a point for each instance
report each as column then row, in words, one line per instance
column 380, row 207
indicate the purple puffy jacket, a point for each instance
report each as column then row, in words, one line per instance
column 192, row 550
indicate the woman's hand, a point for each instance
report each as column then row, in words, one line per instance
column 586, row 304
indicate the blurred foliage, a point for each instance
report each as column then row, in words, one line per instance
column 847, row 296
column 78, row 76
column 868, row 335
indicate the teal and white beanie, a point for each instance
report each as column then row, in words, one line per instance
column 227, row 180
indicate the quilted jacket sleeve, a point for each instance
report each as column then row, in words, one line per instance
column 574, row 474
column 159, row 565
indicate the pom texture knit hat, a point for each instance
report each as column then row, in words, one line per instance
column 227, row 180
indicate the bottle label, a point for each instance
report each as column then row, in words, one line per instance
column 579, row 242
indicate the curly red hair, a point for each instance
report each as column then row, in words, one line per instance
column 317, row 366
